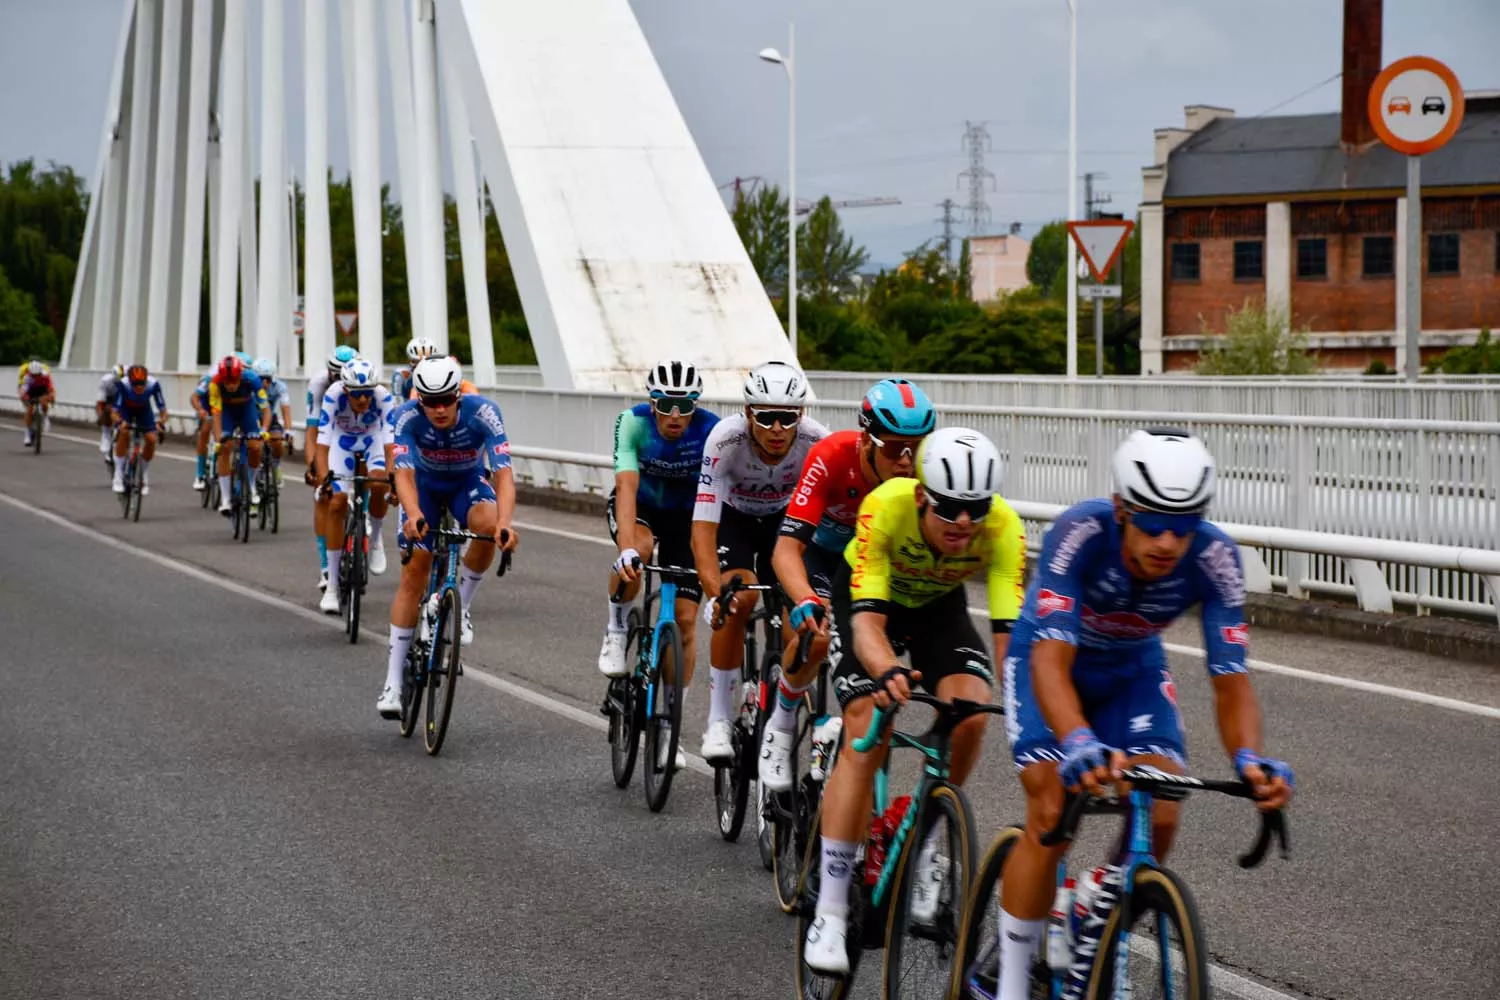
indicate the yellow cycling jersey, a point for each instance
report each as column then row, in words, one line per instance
column 891, row 561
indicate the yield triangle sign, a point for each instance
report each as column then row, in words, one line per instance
column 346, row 321
column 1100, row 241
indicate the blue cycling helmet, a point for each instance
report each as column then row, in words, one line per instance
column 265, row 368
column 896, row 406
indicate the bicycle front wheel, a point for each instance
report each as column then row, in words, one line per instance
column 353, row 576
column 810, row 983
column 265, row 496
column 38, row 422
column 413, row 683
column 133, row 490
column 663, row 719
column 936, row 866
column 1166, row 956
column 976, row 966
column 443, row 669
column 242, row 509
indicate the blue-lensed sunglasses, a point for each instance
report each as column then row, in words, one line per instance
column 1154, row 524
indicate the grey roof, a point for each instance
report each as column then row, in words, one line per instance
column 1301, row 153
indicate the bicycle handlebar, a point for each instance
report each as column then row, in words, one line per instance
column 665, row 572
column 736, row 585
column 1172, row 787
column 950, row 714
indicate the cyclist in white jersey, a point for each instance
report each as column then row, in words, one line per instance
column 751, row 464
column 104, row 409
column 353, row 436
column 317, row 385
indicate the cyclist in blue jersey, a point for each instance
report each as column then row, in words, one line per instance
column 442, row 441
column 279, row 399
column 199, row 399
column 132, row 406
column 238, row 403
column 658, row 455
column 1087, row 689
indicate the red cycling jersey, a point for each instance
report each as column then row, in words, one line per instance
column 826, row 502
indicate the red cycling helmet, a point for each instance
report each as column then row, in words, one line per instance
column 231, row 368
column 137, row 375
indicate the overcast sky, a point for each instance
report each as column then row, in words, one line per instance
column 884, row 87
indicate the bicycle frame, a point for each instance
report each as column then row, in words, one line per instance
column 666, row 614
column 934, row 770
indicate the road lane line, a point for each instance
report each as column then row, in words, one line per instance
column 1266, row 666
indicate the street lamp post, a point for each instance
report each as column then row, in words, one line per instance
column 1072, row 185
column 787, row 63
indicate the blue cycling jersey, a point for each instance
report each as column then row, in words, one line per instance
column 669, row 470
column 132, row 404
column 476, row 437
column 1083, row 595
column 277, row 396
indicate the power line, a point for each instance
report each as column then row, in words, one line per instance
column 977, row 141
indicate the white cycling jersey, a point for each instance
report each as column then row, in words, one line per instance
column 316, row 387
column 339, row 421
column 107, row 387
column 733, row 472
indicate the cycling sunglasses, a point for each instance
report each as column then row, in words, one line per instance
column 361, row 393
column 770, row 418
column 1153, row 524
column 949, row 508
column 683, row 405
column 439, row 401
column 895, row 449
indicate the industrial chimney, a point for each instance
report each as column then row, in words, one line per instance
column 1362, row 37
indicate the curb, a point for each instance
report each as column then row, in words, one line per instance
column 1455, row 638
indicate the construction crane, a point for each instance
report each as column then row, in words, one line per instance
column 746, row 186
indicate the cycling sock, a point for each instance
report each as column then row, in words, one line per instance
column 468, row 582
column 145, row 465
column 202, row 466
column 400, row 643
column 104, row 440
column 333, row 576
column 619, row 615
column 721, row 685
column 375, row 542
column 838, row 863
column 322, row 553
column 787, row 700
column 224, row 487
column 1018, row 943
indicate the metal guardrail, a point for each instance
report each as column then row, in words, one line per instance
column 1423, row 482
column 1366, row 560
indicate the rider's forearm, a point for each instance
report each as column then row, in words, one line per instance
column 1052, row 681
column 872, row 647
column 504, row 483
column 626, row 486
column 406, row 493
column 310, row 449
column 786, row 562
column 706, row 556
column 321, row 462
column 1238, row 713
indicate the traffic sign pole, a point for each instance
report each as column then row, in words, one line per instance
column 1413, row 267
column 1098, row 338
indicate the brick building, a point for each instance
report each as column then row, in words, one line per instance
column 1308, row 211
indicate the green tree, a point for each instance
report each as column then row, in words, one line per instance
column 22, row 334
column 827, row 259
column 1047, row 257
column 1257, row 340
column 965, row 271
column 760, row 219
column 42, row 216
column 1480, row 358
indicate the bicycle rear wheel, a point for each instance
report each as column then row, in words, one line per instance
column 242, row 508
column 442, row 669
column 920, row 942
column 663, row 719
column 133, row 489
column 732, row 780
column 209, row 493
column 792, row 817
column 1170, row 959
column 976, row 965
column 274, row 502
column 624, row 707
column 413, row 683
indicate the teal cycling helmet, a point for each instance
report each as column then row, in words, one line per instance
column 246, row 359
column 896, row 406
column 338, row 358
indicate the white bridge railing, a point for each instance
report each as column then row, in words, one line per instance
column 1334, row 506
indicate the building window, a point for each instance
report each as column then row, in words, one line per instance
column 1380, row 256
column 1249, row 260
column 1442, row 253
column 1184, row 262
column 1312, row 258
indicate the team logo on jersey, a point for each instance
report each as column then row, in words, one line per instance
column 1079, row 533
column 1239, row 634
column 1119, row 624
column 1168, row 688
column 1048, row 601
column 503, row 448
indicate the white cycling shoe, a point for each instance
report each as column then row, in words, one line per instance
column 825, row 948
column 612, row 655
column 466, row 631
column 389, row 704
column 329, row 602
column 776, row 760
column 377, row 559
column 718, row 744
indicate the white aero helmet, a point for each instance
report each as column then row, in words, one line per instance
column 674, row 378
column 958, row 463
column 437, row 375
column 1164, row 469
column 418, row 348
column 775, row 383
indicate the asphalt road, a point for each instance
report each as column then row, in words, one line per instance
column 198, row 798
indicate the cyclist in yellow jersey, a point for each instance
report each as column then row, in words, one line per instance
column 915, row 543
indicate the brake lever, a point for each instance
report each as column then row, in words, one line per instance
column 1271, row 824
column 504, row 556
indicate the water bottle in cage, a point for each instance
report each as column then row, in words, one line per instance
column 1090, row 929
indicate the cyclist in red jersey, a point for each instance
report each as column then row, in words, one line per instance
column 839, row 471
